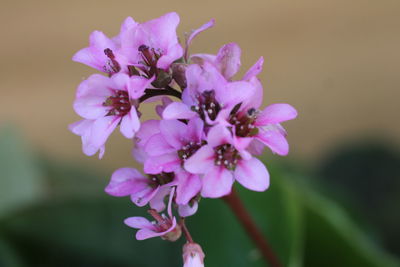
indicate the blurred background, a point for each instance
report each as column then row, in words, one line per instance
column 333, row 202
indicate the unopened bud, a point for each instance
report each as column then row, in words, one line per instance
column 179, row 74
column 193, row 255
column 163, row 79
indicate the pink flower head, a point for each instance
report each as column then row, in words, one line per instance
column 141, row 189
column 163, row 226
column 154, row 44
column 208, row 93
column 105, row 103
column 221, row 163
column 104, row 53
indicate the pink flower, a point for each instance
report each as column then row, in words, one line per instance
column 104, row 53
column 105, row 103
column 221, row 163
column 168, row 150
column 263, row 126
column 141, row 189
column 154, row 44
column 163, row 226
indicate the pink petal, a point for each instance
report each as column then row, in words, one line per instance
column 178, row 110
column 275, row 141
column 138, row 223
column 255, row 100
column 252, row 174
column 93, row 55
column 165, row 102
column 256, row 147
column 219, row 135
column 147, row 130
column 236, row 92
column 276, row 113
column 146, row 233
column 142, row 198
column 157, row 145
column 188, row 187
column 95, row 85
column 166, row 162
column 125, row 181
column 157, row 202
column 195, row 130
column 254, row 70
column 228, row 60
column 217, row 182
column 120, row 81
column 100, row 131
column 128, row 23
column 201, row 161
column 130, row 123
column 173, row 132
column 196, row 32
column 242, row 143
column 81, row 127
column 137, row 85
column 174, row 53
column 188, row 210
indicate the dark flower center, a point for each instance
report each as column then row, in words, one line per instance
column 244, row 123
column 161, row 179
column 119, row 103
column 227, row 156
column 189, row 149
column 207, row 104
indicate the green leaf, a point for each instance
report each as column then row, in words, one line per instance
column 332, row 239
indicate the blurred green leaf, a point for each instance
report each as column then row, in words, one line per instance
column 8, row 256
column 332, row 239
column 21, row 180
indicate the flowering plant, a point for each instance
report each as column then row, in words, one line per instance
column 201, row 144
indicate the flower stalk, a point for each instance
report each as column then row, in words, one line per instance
column 235, row 203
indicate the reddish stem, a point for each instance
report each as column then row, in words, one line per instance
column 185, row 231
column 251, row 228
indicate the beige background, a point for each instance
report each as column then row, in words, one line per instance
column 337, row 62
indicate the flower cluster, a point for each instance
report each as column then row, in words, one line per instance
column 201, row 144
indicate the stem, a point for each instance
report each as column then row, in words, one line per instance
column 157, row 92
column 251, row 228
column 185, row 231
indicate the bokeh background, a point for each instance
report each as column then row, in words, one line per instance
column 337, row 62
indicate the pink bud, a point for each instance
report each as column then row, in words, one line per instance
column 193, row 255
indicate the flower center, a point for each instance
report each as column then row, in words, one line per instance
column 226, row 155
column 119, row 103
column 244, row 123
column 188, row 150
column 161, row 179
column 112, row 65
column 207, row 104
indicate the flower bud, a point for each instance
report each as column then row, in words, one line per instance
column 178, row 73
column 163, row 79
column 173, row 235
column 193, row 255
